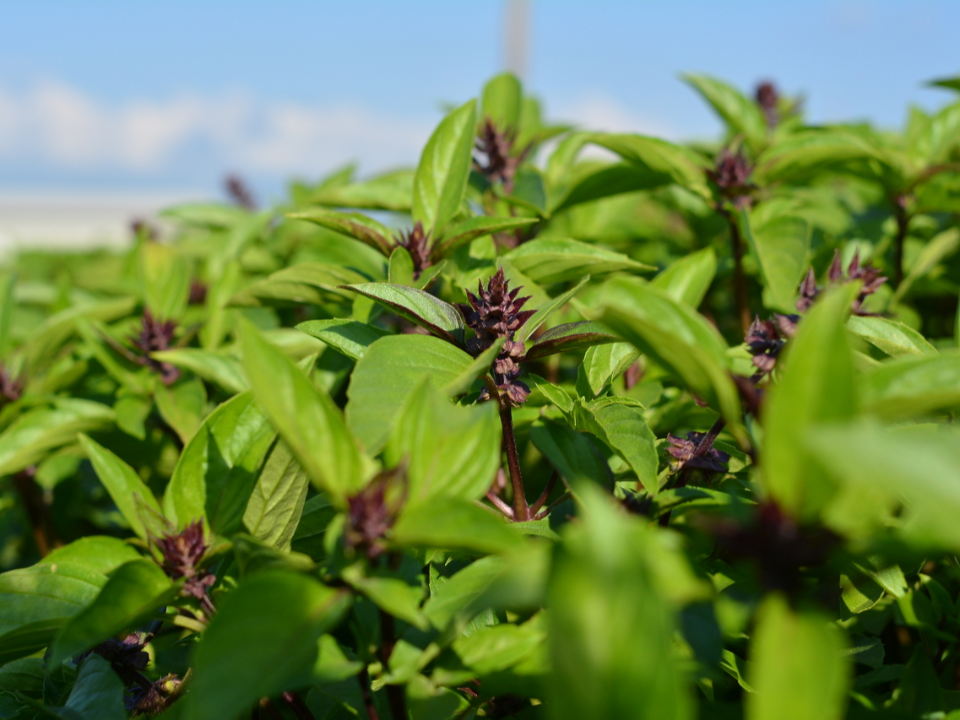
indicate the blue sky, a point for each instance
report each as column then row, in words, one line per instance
column 167, row 95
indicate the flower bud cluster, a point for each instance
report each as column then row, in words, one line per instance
column 416, row 242
column 495, row 312
column 154, row 336
column 498, row 163
column 871, row 277
column 182, row 556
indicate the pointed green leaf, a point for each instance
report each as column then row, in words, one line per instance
column 440, row 182
column 780, row 244
column 219, row 368
column 501, row 101
column 551, row 260
column 573, row 455
column 569, row 337
column 544, row 312
column 811, row 680
column 674, row 163
column 816, row 385
column 363, row 228
column 892, row 337
column 123, row 484
column 276, row 503
column 31, row 436
column 389, row 371
column 97, row 693
column 912, row 387
column 262, row 641
column 349, row 337
column 304, row 415
column 454, row 524
column 602, row 364
column 610, row 630
column 619, row 423
column 217, row 469
column 164, row 276
column 477, row 227
column 451, row 451
column 134, row 592
column 677, row 338
column 741, row 114
column 439, row 318
column 688, row 279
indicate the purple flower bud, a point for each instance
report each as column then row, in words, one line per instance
column 416, row 242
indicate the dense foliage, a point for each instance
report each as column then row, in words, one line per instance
column 557, row 424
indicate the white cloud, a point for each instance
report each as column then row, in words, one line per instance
column 57, row 127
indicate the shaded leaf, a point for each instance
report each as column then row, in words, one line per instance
column 453, row 524
column 688, row 279
column 273, row 510
column 363, row 228
column 126, row 488
column 263, row 640
column 568, row 337
column 551, row 260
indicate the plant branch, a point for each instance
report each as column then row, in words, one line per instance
column 549, row 509
column 499, row 504
column 545, row 495
column 388, row 640
column 364, row 679
column 38, row 511
column 521, row 512
column 739, row 278
column 903, row 225
column 298, row 706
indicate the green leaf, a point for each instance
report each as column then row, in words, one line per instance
column 440, row 182
column 164, row 276
column 940, row 247
column 452, row 451
column 35, row 602
column 400, row 267
column 391, row 593
column 305, row 416
column 182, row 406
column 217, row 469
column 554, row 393
column 98, row 553
column 501, row 101
column 619, row 423
column 134, row 592
column 38, row 431
column 124, row 485
column 349, row 337
column 57, row 329
column 780, row 244
column 206, row 215
column 477, row 227
column 917, row 466
column 741, row 114
column 452, row 524
column 892, row 337
column 254, row 556
column 544, row 312
column 388, row 372
column 673, row 163
column 262, row 641
column 131, row 412
column 568, row 337
column 363, row 228
column 610, row 631
column 308, row 282
column 390, row 191
column 677, row 338
column 589, row 181
column 805, row 153
column 603, row 363
column 439, row 318
column 688, row 279
column 816, row 385
column 97, row 693
column 276, row 503
column 572, row 454
column 811, row 680
column 219, row 368
column 551, row 260
column 912, row 387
